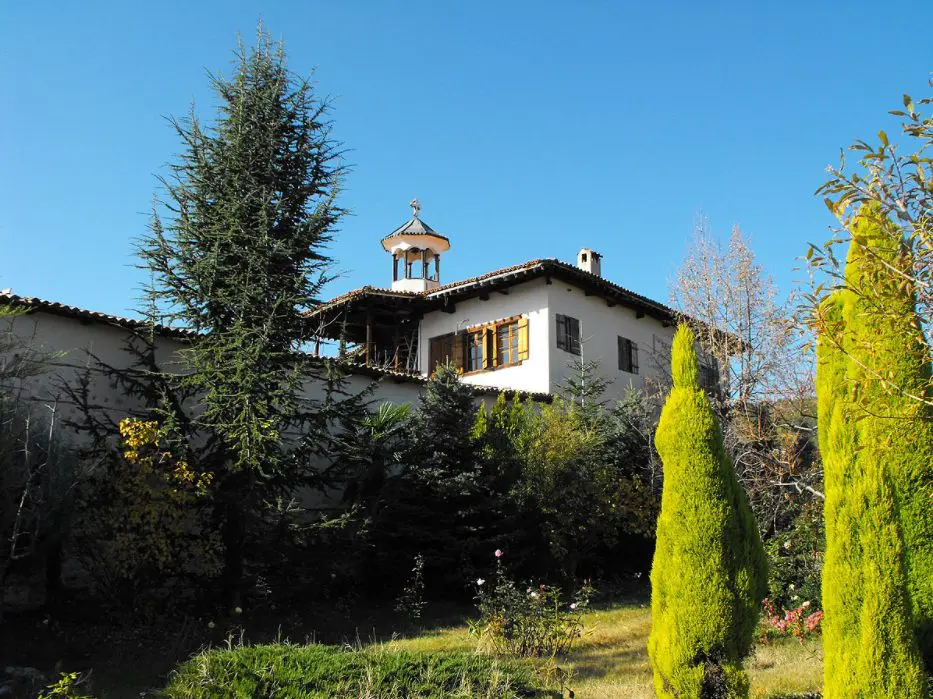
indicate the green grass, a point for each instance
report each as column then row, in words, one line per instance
column 611, row 661
column 285, row 671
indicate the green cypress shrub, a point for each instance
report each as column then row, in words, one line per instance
column 876, row 452
column 710, row 572
column 891, row 367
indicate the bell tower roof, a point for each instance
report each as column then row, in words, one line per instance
column 415, row 245
column 415, row 233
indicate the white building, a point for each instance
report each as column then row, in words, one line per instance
column 514, row 329
column 519, row 328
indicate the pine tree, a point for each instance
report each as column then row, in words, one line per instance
column 710, row 573
column 236, row 254
column 876, row 453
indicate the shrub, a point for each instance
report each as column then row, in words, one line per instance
column 869, row 637
column 142, row 531
column 795, row 559
column 533, row 622
column 710, row 572
column 800, row 622
column 287, row 671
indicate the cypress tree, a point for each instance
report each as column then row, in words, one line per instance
column 709, row 573
column 236, row 254
column 875, row 443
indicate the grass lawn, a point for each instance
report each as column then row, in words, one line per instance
column 611, row 661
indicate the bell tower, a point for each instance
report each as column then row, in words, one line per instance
column 414, row 246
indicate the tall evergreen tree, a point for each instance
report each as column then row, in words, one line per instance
column 709, row 573
column 441, row 503
column 875, row 444
column 236, row 253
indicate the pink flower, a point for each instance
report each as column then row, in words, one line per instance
column 499, row 553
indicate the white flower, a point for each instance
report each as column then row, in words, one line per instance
column 534, row 595
column 573, row 606
column 638, row 574
column 211, row 624
column 791, row 587
column 787, row 544
column 238, row 610
column 795, row 597
column 805, row 604
column 480, row 582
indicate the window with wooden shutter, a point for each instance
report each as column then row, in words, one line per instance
column 568, row 334
column 628, row 355
column 447, row 348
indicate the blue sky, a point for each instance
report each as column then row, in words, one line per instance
column 526, row 129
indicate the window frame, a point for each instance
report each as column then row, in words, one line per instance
column 567, row 340
column 628, row 349
column 459, row 346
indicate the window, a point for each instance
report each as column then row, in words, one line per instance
column 482, row 348
column 507, row 344
column 709, row 374
column 628, row 355
column 568, row 334
column 476, row 351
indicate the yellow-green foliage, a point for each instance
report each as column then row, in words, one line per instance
column 876, row 447
column 141, row 525
column 710, row 573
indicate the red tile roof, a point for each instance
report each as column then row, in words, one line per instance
column 28, row 303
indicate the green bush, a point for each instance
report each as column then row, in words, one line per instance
column 287, row 671
column 872, row 559
column 795, row 559
column 710, row 573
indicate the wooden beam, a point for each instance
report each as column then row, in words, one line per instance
column 484, row 296
column 639, row 314
column 504, row 292
column 609, row 303
column 369, row 337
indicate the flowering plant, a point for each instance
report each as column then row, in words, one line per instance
column 532, row 622
column 796, row 622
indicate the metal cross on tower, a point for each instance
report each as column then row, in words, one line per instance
column 415, row 207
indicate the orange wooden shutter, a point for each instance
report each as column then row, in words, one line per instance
column 522, row 338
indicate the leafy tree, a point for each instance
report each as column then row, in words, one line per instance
column 710, row 573
column 876, row 446
column 141, row 532
column 235, row 254
column 585, row 481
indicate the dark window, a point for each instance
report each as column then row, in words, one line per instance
column 628, row 355
column 709, row 374
column 568, row 334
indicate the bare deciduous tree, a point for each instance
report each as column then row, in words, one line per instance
column 765, row 379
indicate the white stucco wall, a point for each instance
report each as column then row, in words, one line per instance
column 529, row 299
column 600, row 326
column 72, row 341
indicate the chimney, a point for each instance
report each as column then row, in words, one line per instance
column 589, row 261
